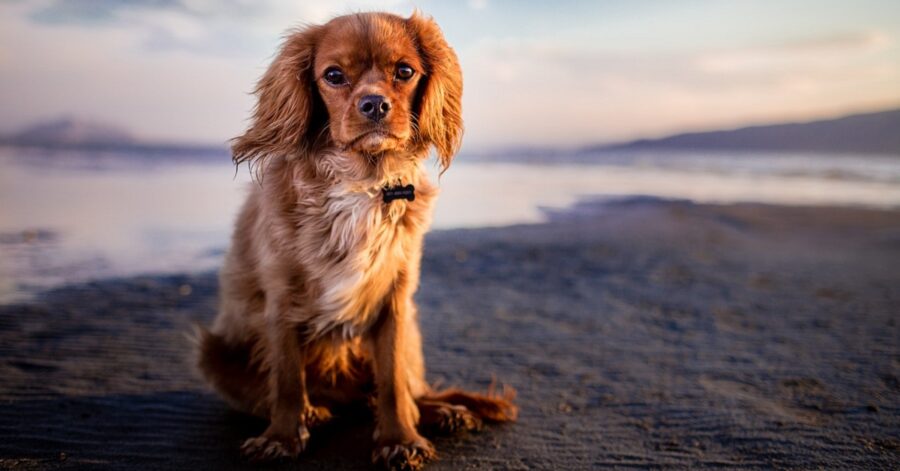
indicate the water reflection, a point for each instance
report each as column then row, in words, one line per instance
column 67, row 216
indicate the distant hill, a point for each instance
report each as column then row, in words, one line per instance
column 870, row 133
column 71, row 132
column 80, row 134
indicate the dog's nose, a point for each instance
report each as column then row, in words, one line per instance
column 374, row 107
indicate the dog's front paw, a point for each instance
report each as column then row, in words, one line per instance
column 407, row 456
column 271, row 445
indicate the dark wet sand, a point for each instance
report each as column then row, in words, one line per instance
column 644, row 334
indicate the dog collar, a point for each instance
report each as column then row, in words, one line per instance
column 398, row 192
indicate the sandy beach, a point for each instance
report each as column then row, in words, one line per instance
column 641, row 334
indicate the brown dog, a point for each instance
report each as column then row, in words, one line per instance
column 317, row 288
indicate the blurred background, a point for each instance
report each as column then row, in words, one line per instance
column 116, row 116
column 673, row 228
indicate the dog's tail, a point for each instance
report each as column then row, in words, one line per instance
column 229, row 369
column 493, row 406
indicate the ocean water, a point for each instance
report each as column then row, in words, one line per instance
column 69, row 216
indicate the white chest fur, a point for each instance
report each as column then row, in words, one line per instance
column 359, row 258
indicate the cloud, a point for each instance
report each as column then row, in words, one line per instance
column 552, row 91
column 810, row 54
column 225, row 27
column 478, row 4
column 537, row 75
column 244, row 12
column 158, row 25
column 869, row 40
column 92, row 12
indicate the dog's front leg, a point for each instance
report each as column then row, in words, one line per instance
column 398, row 444
column 286, row 435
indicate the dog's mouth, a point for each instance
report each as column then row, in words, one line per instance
column 374, row 141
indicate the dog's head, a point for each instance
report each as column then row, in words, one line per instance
column 370, row 84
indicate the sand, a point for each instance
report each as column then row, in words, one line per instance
column 643, row 334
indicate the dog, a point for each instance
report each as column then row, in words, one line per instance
column 316, row 304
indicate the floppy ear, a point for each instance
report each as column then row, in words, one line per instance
column 439, row 111
column 284, row 110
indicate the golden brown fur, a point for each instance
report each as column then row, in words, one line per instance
column 317, row 288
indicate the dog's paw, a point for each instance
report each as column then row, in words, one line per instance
column 409, row 456
column 272, row 446
column 444, row 418
column 314, row 416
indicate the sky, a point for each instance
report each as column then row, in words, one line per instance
column 537, row 74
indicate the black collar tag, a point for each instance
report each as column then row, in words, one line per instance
column 391, row 193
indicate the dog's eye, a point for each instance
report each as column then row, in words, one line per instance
column 404, row 72
column 334, row 76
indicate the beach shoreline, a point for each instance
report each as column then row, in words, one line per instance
column 642, row 333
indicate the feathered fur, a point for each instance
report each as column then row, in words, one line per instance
column 316, row 301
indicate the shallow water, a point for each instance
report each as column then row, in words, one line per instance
column 69, row 216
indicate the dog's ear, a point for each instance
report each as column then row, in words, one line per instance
column 439, row 100
column 286, row 97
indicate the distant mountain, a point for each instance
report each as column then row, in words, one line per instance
column 71, row 132
column 870, row 133
column 80, row 134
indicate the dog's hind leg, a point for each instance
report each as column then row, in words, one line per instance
column 228, row 368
